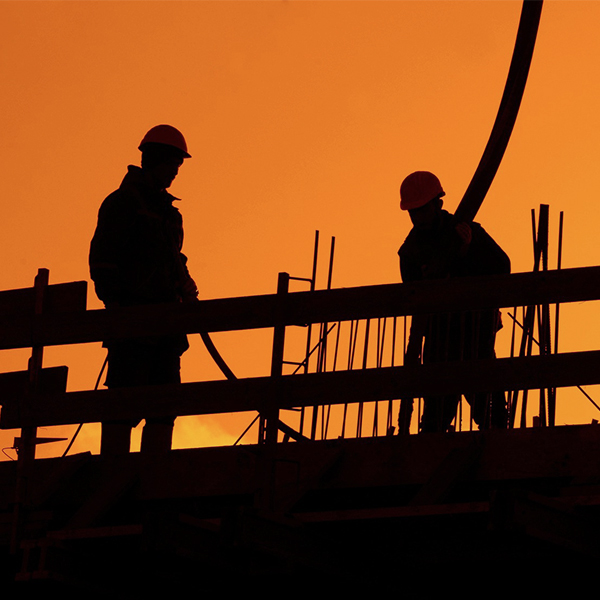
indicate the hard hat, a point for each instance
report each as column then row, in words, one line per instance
column 418, row 189
column 167, row 135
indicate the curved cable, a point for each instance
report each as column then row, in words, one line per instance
column 81, row 424
column 507, row 112
column 212, row 350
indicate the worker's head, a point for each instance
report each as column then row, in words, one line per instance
column 163, row 152
column 421, row 195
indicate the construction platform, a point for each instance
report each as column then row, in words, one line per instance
column 417, row 515
column 380, row 513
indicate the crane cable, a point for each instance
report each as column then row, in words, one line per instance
column 507, row 113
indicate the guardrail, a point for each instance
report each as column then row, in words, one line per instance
column 37, row 397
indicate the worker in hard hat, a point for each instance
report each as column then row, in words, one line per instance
column 437, row 247
column 135, row 258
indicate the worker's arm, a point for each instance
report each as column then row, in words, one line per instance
column 109, row 246
column 188, row 287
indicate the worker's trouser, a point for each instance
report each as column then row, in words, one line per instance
column 457, row 337
column 141, row 362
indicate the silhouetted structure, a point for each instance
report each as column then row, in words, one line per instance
column 314, row 516
column 379, row 511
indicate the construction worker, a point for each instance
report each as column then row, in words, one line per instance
column 135, row 258
column 437, row 247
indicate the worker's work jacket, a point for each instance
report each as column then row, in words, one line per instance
column 421, row 248
column 453, row 336
column 135, row 254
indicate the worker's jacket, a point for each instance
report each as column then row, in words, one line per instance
column 421, row 249
column 453, row 336
column 135, row 255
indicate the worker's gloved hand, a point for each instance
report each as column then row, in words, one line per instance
column 465, row 234
column 413, row 355
column 189, row 291
column 405, row 416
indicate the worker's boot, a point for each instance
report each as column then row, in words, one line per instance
column 157, row 436
column 115, row 439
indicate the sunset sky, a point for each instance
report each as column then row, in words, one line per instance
column 300, row 116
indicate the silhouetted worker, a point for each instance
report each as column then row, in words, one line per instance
column 436, row 248
column 135, row 258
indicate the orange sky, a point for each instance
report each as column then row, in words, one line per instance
column 299, row 116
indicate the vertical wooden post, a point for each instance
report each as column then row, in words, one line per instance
column 313, row 283
column 552, row 391
column 543, row 309
column 28, row 434
column 27, row 442
column 269, row 420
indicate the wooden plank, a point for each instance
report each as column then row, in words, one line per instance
column 58, row 298
column 16, row 384
column 293, row 391
column 395, row 512
column 301, row 308
column 517, row 455
column 568, row 454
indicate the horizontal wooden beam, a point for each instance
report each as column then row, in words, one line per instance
column 301, row 308
column 292, row 391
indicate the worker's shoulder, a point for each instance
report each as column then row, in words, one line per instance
column 416, row 242
column 123, row 200
column 480, row 235
column 129, row 195
column 488, row 249
column 478, row 228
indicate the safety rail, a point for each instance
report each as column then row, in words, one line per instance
column 39, row 399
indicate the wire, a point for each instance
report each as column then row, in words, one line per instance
column 246, row 430
column 81, row 424
column 578, row 387
column 8, row 455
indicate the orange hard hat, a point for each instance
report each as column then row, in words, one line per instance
column 167, row 135
column 418, row 189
